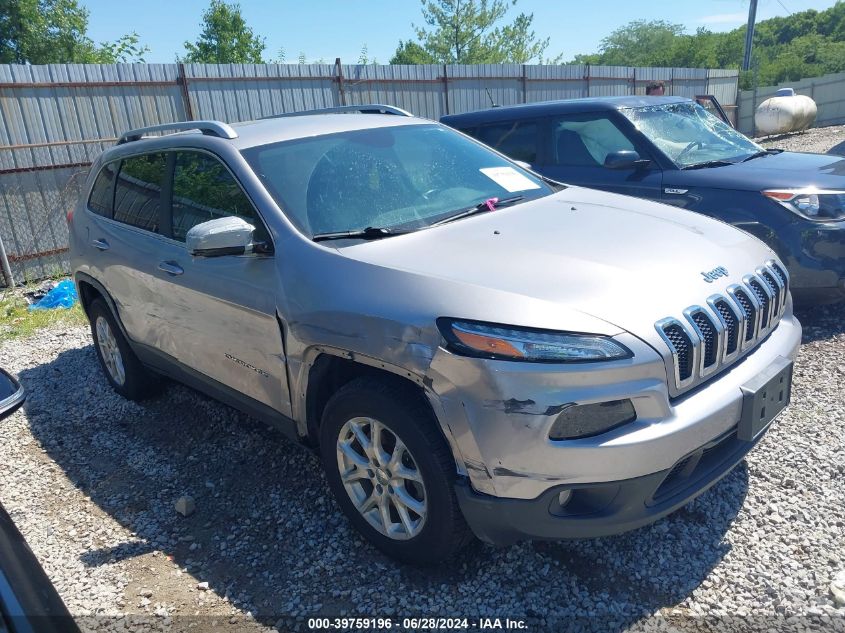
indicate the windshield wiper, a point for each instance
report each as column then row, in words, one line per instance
column 762, row 152
column 482, row 207
column 709, row 163
column 369, row 233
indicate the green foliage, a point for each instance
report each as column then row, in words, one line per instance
column 55, row 32
column 471, row 32
column 640, row 41
column 225, row 38
column 805, row 44
column 17, row 321
column 411, row 53
column 126, row 49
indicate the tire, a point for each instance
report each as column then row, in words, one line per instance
column 432, row 527
column 123, row 370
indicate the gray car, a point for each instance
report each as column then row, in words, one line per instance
column 471, row 348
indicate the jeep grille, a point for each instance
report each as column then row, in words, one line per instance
column 713, row 336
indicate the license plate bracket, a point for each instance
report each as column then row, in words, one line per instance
column 764, row 397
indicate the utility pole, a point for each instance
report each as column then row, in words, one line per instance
column 749, row 34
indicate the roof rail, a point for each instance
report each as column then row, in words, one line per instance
column 369, row 108
column 211, row 128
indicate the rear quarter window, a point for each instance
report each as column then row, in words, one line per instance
column 101, row 199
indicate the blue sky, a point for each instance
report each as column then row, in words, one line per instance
column 336, row 28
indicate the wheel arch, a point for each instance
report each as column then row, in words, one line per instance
column 89, row 289
column 328, row 369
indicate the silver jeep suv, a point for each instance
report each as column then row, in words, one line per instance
column 471, row 348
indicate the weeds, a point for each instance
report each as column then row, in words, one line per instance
column 17, row 321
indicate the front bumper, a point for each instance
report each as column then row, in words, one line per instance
column 814, row 254
column 606, row 508
column 499, row 415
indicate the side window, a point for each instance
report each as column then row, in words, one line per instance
column 203, row 189
column 102, row 193
column 516, row 139
column 585, row 140
column 137, row 196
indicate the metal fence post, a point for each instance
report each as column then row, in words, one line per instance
column 524, row 85
column 182, row 80
column 7, row 270
column 587, row 79
column 339, row 70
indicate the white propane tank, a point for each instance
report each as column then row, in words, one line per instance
column 785, row 112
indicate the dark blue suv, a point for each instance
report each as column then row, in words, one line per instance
column 673, row 150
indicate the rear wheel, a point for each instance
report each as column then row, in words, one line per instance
column 391, row 471
column 124, row 371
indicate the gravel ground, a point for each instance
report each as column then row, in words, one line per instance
column 819, row 140
column 91, row 480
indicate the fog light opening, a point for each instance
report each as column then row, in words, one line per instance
column 563, row 497
column 586, row 420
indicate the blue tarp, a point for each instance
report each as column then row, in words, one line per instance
column 62, row 296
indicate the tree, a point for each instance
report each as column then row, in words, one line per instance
column 805, row 44
column 411, row 53
column 471, row 32
column 55, row 32
column 640, row 43
column 225, row 38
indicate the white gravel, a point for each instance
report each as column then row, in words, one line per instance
column 92, row 480
column 819, row 140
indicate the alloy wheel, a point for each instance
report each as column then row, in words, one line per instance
column 109, row 351
column 382, row 478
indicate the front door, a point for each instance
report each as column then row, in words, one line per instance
column 579, row 145
column 221, row 311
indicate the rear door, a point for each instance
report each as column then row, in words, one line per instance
column 220, row 311
column 125, row 237
column 519, row 140
column 577, row 148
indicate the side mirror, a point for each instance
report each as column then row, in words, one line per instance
column 222, row 236
column 11, row 394
column 625, row 159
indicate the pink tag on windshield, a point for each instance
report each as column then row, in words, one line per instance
column 491, row 203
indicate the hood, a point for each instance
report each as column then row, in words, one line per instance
column 784, row 170
column 624, row 260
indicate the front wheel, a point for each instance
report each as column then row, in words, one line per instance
column 391, row 471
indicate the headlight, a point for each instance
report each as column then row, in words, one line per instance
column 814, row 204
column 489, row 340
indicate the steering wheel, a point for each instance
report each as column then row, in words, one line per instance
column 427, row 194
column 692, row 145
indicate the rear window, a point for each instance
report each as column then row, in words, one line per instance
column 137, row 198
column 517, row 139
column 102, row 193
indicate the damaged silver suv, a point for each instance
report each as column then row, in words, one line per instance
column 471, row 348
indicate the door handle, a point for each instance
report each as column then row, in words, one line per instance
column 171, row 268
column 100, row 245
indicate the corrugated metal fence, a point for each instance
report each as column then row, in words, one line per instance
column 828, row 91
column 55, row 119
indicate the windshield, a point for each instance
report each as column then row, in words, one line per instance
column 400, row 178
column 690, row 135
